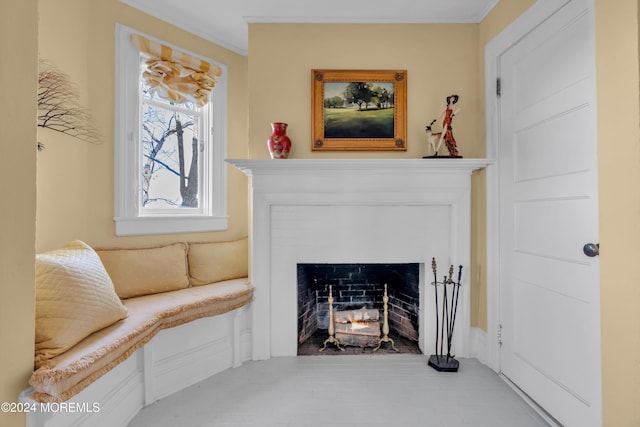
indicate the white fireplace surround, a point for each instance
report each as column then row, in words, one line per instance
column 355, row 211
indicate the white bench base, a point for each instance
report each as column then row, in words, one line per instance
column 174, row 359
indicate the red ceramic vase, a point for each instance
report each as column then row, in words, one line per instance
column 279, row 143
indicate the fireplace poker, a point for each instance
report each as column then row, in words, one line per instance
column 445, row 314
column 455, row 311
column 435, row 286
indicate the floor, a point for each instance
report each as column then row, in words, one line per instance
column 345, row 391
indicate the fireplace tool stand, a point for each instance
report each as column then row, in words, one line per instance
column 385, row 324
column 332, row 331
column 445, row 319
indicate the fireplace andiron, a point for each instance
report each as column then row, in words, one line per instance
column 385, row 323
column 331, row 339
column 445, row 319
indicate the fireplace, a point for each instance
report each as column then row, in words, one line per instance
column 357, row 291
column 375, row 211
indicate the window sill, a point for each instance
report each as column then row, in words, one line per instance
column 169, row 225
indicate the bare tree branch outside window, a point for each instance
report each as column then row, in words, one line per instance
column 170, row 168
column 59, row 106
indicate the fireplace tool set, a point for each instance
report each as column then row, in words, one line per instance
column 445, row 319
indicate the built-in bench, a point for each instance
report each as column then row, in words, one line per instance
column 175, row 315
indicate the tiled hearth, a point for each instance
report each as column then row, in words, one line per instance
column 354, row 212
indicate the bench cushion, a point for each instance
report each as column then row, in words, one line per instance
column 74, row 297
column 143, row 271
column 69, row 373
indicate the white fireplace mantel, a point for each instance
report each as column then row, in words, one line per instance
column 315, row 166
column 353, row 211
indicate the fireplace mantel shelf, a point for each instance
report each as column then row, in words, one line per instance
column 309, row 166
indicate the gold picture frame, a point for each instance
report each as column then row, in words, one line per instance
column 359, row 110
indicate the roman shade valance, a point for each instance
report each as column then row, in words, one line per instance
column 174, row 75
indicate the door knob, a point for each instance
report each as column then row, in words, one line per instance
column 591, row 249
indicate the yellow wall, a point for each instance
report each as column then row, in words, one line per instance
column 18, row 83
column 439, row 59
column 75, row 178
column 619, row 180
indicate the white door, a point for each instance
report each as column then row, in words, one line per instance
column 549, row 289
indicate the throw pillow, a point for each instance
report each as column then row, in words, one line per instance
column 146, row 271
column 74, row 298
column 217, row 261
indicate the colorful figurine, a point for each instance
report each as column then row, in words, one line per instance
column 447, row 130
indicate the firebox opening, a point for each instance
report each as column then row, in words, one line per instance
column 355, row 287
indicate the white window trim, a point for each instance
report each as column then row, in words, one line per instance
column 126, row 157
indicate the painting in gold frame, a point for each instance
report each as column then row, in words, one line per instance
column 359, row 110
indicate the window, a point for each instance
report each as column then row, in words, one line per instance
column 170, row 175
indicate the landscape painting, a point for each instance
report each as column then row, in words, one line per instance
column 359, row 110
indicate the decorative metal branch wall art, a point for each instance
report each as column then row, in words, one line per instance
column 59, row 106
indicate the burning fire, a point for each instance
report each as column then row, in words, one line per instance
column 357, row 324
